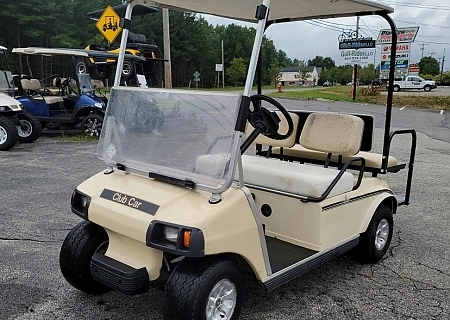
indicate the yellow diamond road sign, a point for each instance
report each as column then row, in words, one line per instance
column 108, row 24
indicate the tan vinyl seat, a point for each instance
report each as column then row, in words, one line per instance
column 34, row 86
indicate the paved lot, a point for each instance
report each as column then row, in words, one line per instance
column 412, row 282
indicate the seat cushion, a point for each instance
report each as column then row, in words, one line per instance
column 300, row 179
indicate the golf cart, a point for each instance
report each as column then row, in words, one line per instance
column 70, row 101
column 183, row 206
column 15, row 123
column 136, row 46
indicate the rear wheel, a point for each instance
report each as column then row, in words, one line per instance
column 29, row 129
column 91, row 125
column 8, row 134
column 396, row 88
column 204, row 289
column 82, row 242
column 374, row 243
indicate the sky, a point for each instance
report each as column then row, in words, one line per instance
column 432, row 16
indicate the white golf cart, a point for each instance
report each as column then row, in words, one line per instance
column 181, row 206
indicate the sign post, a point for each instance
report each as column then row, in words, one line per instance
column 219, row 68
column 109, row 24
column 196, row 78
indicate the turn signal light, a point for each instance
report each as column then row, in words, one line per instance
column 187, row 238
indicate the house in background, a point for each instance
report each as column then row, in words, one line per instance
column 291, row 76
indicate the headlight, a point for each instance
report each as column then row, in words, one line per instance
column 3, row 108
column 171, row 234
column 98, row 105
column 80, row 204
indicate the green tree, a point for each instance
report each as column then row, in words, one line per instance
column 237, row 71
column 429, row 65
column 320, row 61
column 274, row 73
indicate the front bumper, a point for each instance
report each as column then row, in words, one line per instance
column 118, row 275
column 11, row 115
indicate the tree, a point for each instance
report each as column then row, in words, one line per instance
column 304, row 73
column 429, row 65
column 320, row 61
column 274, row 74
column 237, row 71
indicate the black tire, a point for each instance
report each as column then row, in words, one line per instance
column 374, row 243
column 128, row 69
column 193, row 281
column 91, row 125
column 81, row 67
column 427, row 88
column 396, row 88
column 102, row 72
column 82, row 242
column 8, row 134
column 29, row 129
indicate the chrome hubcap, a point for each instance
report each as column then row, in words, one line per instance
column 221, row 301
column 3, row 135
column 25, row 129
column 126, row 69
column 93, row 127
column 382, row 234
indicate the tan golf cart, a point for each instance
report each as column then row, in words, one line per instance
column 185, row 205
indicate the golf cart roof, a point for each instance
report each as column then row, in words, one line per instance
column 3, row 48
column 280, row 10
column 138, row 10
column 72, row 52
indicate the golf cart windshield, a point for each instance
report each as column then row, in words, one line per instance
column 84, row 80
column 6, row 82
column 188, row 137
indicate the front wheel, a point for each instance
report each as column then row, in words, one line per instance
column 91, row 125
column 128, row 69
column 427, row 88
column 82, row 242
column 29, row 129
column 8, row 134
column 204, row 289
column 374, row 243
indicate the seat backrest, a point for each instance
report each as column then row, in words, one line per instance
column 31, row 84
column 283, row 128
column 98, row 84
column 332, row 133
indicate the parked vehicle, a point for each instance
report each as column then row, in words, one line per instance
column 181, row 206
column 414, row 82
column 73, row 101
column 377, row 82
column 327, row 84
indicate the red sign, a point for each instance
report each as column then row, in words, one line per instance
column 400, row 48
column 413, row 67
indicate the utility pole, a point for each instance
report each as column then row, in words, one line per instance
column 223, row 69
column 423, row 48
column 355, row 67
column 166, row 36
column 442, row 67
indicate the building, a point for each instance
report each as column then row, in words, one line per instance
column 291, row 76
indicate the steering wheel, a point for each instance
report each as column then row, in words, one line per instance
column 66, row 82
column 267, row 122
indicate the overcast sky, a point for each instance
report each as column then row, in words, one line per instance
column 305, row 40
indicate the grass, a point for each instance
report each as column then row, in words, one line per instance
column 363, row 95
column 78, row 138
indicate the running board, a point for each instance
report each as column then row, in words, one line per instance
column 301, row 267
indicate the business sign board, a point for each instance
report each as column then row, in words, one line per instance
column 358, row 43
column 404, row 47
column 404, row 35
column 398, row 56
column 413, row 69
column 361, row 57
column 401, row 68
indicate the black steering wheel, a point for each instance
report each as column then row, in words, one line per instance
column 266, row 122
column 66, row 82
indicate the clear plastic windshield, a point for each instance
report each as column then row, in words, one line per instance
column 6, row 82
column 178, row 134
column 84, row 80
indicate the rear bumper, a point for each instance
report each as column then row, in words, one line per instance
column 118, row 275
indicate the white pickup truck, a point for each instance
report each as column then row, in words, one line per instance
column 414, row 82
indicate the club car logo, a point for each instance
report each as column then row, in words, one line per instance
column 129, row 201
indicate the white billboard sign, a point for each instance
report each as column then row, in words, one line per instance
column 403, row 35
column 361, row 56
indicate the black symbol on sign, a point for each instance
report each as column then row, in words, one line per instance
column 110, row 24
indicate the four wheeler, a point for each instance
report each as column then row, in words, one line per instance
column 182, row 206
column 137, row 46
column 73, row 101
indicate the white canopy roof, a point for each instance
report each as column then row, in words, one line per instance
column 279, row 9
column 51, row 51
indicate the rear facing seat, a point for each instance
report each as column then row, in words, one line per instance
column 373, row 161
column 33, row 88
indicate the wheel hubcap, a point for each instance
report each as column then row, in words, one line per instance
column 93, row 127
column 221, row 301
column 382, row 234
column 25, row 129
column 3, row 135
column 126, row 70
